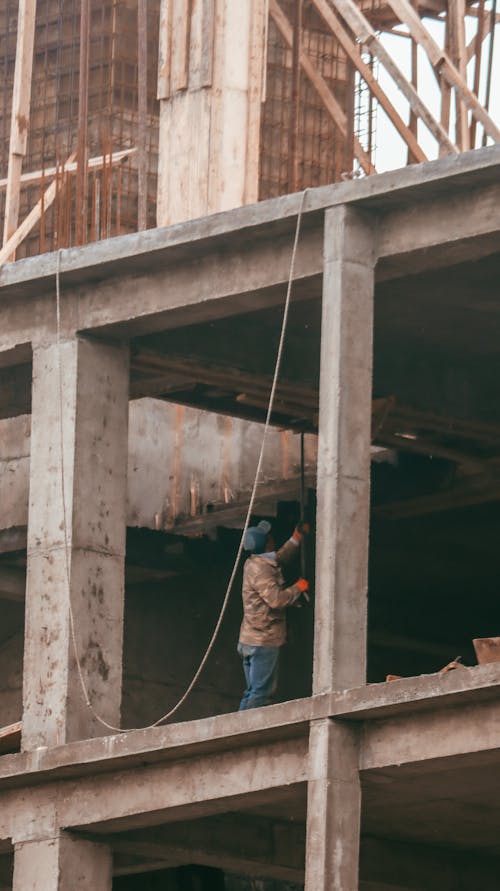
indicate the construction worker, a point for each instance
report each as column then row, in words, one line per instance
column 265, row 598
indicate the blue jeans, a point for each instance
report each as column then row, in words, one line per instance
column 260, row 665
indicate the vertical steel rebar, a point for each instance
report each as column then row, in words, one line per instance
column 293, row 159
column 142, row 112
column 82, row 148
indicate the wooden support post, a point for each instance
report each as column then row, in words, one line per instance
column 17, row 237
column 491, row 48
column 478, row 48
column 456, row 18
column 360, row 25
column 19, row 125
column 352, row 51
column 413, row 122
column 480, row 37
column 445, row 93
column 441, row 62
column 344, row 439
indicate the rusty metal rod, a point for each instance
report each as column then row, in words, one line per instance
column 293, row 172
column 82, row 147
column 142, row 113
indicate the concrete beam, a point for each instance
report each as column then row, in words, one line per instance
column 439, row 232
column 242, row 256
column 198, row 786
column 468, row 734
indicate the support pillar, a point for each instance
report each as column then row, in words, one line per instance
column 62, row 863
column 333, row 808
column 85, row 564
column 343, row 508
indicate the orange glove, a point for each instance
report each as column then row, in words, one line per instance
column 302, row 585
column 300, row 530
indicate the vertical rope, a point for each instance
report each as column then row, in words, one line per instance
column 225, row 602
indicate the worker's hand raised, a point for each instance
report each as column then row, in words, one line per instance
column 300, row 530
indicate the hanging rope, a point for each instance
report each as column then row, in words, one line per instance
column 225, row 602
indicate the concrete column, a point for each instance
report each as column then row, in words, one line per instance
column 343, row 508
column 83, row 565
column 333, row 808
column 62, row 863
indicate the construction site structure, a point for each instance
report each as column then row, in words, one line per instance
column 247, row 101
column 135, row 377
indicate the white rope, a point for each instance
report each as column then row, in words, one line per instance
column 225, row 602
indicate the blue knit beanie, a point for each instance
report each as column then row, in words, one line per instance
column 255, row 537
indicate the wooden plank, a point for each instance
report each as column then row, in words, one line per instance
column 481, row 35
column 31, row 220
column 180, row 42
column 164, row 50
column 257, row 66
column 10, row 738
column 38, row 176
column 445, row 92
column 320, row 85
column 443, row 64
column 413, row 122
column 352, row 51
column 456, row 19
column 21, row 97
column 207, row 43
column 364, row 31
column 477, row 52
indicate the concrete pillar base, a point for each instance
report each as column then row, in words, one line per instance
column 62, row 863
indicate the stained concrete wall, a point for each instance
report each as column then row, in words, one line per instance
column 180, row 461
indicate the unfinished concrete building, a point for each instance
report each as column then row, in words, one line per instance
column 136, row 366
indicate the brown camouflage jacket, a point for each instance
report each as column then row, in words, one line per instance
column 265, row 599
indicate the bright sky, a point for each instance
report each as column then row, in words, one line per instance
column 391, row 151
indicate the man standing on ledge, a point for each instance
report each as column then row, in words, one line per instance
column 265, row 598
